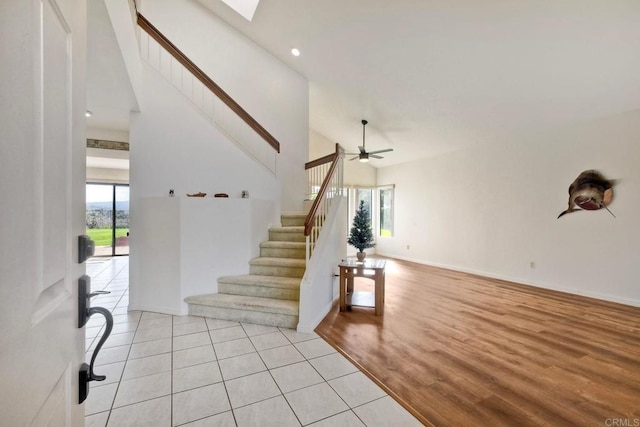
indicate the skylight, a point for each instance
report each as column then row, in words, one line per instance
column 246, row 8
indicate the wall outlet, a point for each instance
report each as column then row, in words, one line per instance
column 532, row 264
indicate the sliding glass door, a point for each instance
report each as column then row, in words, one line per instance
column 108, row 218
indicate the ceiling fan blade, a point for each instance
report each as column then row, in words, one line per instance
column 351, row 154
column 375, row 157
column 381, row 151
column 353, row 158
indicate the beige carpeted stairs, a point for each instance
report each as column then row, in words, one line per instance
column 269, row 294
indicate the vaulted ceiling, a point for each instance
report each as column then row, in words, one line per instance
column 438, row 75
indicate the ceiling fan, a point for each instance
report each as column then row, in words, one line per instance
column 363, row 155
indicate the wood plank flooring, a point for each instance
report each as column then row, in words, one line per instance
column 462, row 350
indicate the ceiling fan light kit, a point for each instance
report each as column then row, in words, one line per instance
column 363, row 156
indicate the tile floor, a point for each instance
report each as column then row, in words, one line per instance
column 165, row 370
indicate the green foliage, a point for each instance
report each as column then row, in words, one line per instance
column 361, row 235
column 102, row 236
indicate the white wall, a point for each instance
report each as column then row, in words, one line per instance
column 276, row 96
column 189, row 243
column 356, row 174
column 108, row 175
column 492, row 211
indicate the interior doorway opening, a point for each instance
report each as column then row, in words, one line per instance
column 107, row 218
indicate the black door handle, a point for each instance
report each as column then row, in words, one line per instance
column 84, row 312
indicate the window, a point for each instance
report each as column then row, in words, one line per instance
column 385, row 198
column 364, row 194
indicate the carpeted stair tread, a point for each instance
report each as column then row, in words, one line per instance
column 240, row 302
column 290, row 229
column 267, row 281
column 279, row 262
column 283, row 244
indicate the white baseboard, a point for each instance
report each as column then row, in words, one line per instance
column 153, row 309
column 309, row 328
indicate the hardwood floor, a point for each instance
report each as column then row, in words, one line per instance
column 462, row 350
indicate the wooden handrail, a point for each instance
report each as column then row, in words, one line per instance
column 308, row 223
column 210, row 84
column 321, row 161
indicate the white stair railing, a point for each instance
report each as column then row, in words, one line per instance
column 209, row 99
column 325, row 177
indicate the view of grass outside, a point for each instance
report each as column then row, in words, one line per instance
column 102, row 236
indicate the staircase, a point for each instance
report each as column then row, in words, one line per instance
column 270, row 293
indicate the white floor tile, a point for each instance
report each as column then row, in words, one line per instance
column 274, row 412
column 193, row 356
column 131, row 316
column 117, row 340
column 96, row 420
column 213, row 324
column 154, row 322
column 100, row 398
column 344, row 419
column 120, row 328
column 315, row 403
column 113, row 372
column 227, row 334
column 296, row 376
column 147, row 366
column 192, row 340
column 111, row 355
column 251, row 389
column 333, row 366
column 314, row 348
column 152, row 315
column 385, row 412
column 196, row 376
column 240, row 366
column 143, row 388
column 296, row 337
column 281, row 356
column 175, row 354
column 252, row 329
column 267, row 341
column 233, row 348
column 356, row 389
column 224, row 419
column 179, row 320
column 152, row 334
column 189, row 328
column 150, row 348
column 150, row 413
column 199, row 403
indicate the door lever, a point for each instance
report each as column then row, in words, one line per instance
column 84, row 312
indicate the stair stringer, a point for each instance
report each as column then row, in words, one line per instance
column 318, row 289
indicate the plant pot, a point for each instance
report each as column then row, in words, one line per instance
column 361, row 256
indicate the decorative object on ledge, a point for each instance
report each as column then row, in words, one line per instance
column 361, row 236
column 107, row 145
column 245, row 194
column 201, row 194
column 171, row 192
column 221, row 195
column 590, row 191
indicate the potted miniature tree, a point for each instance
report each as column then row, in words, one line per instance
column 361, row 236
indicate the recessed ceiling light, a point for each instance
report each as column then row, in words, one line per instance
column 88, row 113
column 295, row 51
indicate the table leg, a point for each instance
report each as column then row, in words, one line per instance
column 379, row 296
column 343, row 290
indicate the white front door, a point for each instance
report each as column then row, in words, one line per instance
column 42, row 174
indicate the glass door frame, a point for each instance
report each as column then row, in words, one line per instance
column 113, row 185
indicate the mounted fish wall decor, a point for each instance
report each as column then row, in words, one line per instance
column 590, row 191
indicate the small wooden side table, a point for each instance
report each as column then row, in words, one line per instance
column 370, row 268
